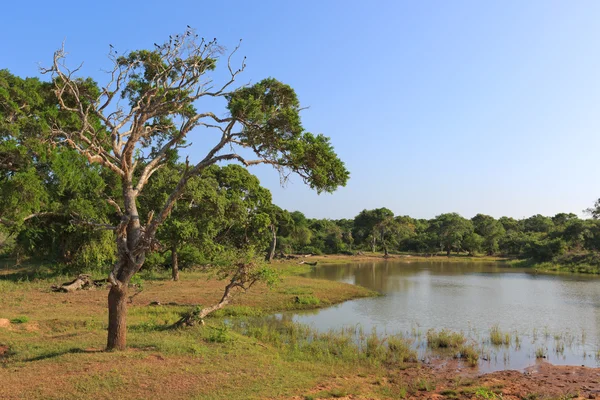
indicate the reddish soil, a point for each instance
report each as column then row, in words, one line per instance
column 449, row 380
column 540, row 381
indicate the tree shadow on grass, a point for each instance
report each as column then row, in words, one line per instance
column 25, row 274
column 55, row 354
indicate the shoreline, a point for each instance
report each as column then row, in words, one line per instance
column 546, row 267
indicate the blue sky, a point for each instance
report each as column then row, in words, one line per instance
column 435, row 106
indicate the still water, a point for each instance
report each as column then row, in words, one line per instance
column 554, row 315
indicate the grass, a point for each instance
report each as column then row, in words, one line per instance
column 54, row 347
column 309, row 300
column 449, row 394
column 470, row 354
column 486, row 393
column 585, row 263
column 348, row 346
column 243, row 352
column 444, row 339
column 540, row 352
column 378, row 256
column 19, row 320
column 498, row 338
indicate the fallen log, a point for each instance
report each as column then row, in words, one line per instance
column 308, row 263
column 82, row 282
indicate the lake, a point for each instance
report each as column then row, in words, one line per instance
column 551, row 314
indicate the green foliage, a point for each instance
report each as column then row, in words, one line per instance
column 563, row 242
column 19, row 320
column 490, row 230
column 450, row 230
column 220, row 334
column 544, row 249
column 486, row 393
column 472, row 243
column 224, row 210
column 270, row 110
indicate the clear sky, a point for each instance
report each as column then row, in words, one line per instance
column 435, row 106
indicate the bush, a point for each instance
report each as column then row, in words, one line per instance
column 545, row 250
column 311, row 250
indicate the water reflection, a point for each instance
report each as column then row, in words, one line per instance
column 547, row 312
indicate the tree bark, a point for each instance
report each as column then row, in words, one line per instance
column 174, row 264
column 117, row 314
column 273, row 244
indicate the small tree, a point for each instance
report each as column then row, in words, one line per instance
column 148, row 109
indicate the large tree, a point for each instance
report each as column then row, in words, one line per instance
column 490, row 230
column 450, row 229
column 148, row 108
column 368, row 225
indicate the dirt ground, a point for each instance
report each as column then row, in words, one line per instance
column 448, row 380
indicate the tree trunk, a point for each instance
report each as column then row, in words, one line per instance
column 448, row 251
column 271, row 253
column 174, row 264
column 127, row 266
column 117, row 313
column 385, row 250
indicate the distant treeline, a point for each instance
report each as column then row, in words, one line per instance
column 563, row 238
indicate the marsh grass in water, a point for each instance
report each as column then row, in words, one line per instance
column 540, row 352
column 498, row 338
column 444, row 339
column 345, row 345
column 470, row 354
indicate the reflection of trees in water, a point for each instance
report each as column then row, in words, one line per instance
column 383, row 278
column 390, row 276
